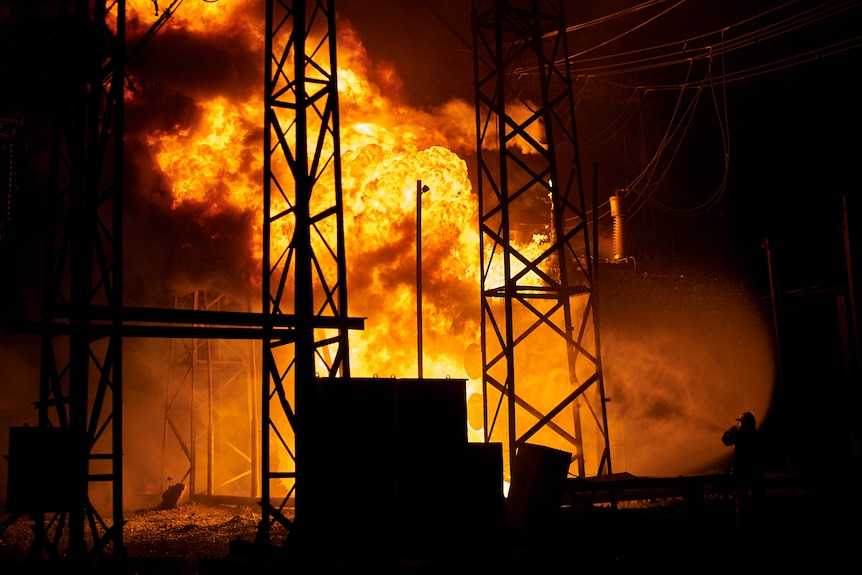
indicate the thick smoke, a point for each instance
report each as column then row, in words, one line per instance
column 199, row 242
column 677, row 370
column 191, row 228
column 683, row 356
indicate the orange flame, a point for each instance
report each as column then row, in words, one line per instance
column 215, row 163
column 386, row 147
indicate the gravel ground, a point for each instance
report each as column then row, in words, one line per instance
column 163, row 541
column 819, row 531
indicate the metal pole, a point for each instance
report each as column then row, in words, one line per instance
column 210, row 419
column 780, row 367
column 854, row 322
column 419, row 191
column 851, row 288
column 772, row 295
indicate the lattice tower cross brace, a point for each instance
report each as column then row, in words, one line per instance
column 305, row 276
column 80, row 387
column 528, row 153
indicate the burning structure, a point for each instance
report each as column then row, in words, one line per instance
column 181, row 151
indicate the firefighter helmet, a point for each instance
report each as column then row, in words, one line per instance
column 747, row 419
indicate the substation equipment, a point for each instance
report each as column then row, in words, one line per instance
column 539, row 307
column 302, row 327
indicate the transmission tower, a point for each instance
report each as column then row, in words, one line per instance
column 211, row 409
column 302, row 325
column 80, row 391
column 11, row 144
column 542, row 371
column 303, row 255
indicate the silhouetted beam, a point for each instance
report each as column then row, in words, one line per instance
column 100, row 330
column 175, row 323
column 205, row 317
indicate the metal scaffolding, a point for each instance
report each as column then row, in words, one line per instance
column 303, row 255
column 302, row 326
column 211, row 409
column 542, row 370
column 80, row 388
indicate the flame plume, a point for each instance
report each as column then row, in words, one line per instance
column 194, row 126
column 210, row 160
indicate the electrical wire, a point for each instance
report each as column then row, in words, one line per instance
column 609, row 17
column 681, row 51
column 615, row 126
column 753, row 32
column 629, row 31
column 645, row 185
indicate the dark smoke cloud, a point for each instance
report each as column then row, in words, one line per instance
column 172, row 249
column 198, row 65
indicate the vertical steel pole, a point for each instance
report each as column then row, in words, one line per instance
column 419, row 277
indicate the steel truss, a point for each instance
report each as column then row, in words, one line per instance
column 302, row 326
column 542, row 371
column 211, row 406
column 303, row 254
column 80, row 389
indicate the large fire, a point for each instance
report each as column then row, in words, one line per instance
column 209, row 162
column 207, row 159
column 215, row 162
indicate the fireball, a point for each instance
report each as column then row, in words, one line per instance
column 203, row 142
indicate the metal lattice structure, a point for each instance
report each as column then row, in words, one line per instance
column 302, row 325
column 81, row 371
column 303, row 252
column 542, row 371
column 211, row 409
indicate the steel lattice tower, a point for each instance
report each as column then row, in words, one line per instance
column 542, row 371
column 209, row 379
column 80, row 383
column 302, row 324
column 304, row 268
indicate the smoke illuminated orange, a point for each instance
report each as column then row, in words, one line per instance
column 386, row 147
column 215, row 162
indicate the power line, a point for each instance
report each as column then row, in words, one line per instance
column 645, row 185
column 682, row 51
